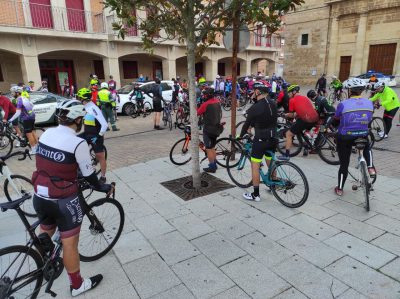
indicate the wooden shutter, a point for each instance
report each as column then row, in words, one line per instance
column 41, row 13
column 76, row 15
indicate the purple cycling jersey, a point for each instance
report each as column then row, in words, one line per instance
column 355, row 115
column 26, row 108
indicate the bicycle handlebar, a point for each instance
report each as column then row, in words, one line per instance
column 24, row 155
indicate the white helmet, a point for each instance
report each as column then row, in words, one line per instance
column 94, row 76
column 354, row 83
column 14, row 89
column 104, row 85
column 379, row 84
column 218, row 77
column 334, row 77
column 72, row 109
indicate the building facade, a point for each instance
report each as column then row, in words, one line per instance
column 63, row 41
column 343, row 38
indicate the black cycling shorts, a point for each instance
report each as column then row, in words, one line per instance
column 262, row 148
column 209, row 141
column 66, row 214
column 98, row 147
column 28, row 125
column 300, row 125
column 157, row 106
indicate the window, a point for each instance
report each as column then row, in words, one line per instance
column 126, row 89
column 165, row 86
column 130, row 69
column 1, row 74
column 148, row 88
column 258, row 35
column 221, row 68
column 304, row 39
column 99, row 68
column 43, row 100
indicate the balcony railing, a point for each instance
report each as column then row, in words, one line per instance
column 32, row 15
column 267, row 41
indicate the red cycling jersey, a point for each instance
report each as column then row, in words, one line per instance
column 303, row 108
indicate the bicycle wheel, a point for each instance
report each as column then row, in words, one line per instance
column 180, row 152
column 6, row 145
column 297, row 144
column 17, row 187
column 147, row 108
column 223, row 148
column 226, row 104
column 95, row 241
column 377, row 127
column 327, row 149
column 169, row 121
column 95, row 162
column 21, row 273
column 331, row 98
column 365, row 185
column 239, row 126
column 291, row 188
column 238, row 166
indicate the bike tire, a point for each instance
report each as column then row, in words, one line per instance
column 27, row 206
column 327, row 148
column 377, row 125
column 365, row 185
column 176, row 151
column 96, row 163
column 170, row 122
column 34, row 275
column 290, row 184
column 6, row 145
column 223, row 148
column 106, row 204
column 297, row 141
column 147, row 108
column 237, row 170
column 226, row 104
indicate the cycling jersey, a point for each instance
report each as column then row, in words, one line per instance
column 59, row 155
column 321, row 83
column 94, row 121
column 323, row 108
column 388, row 97
column 303, row 108
column 354, row 114
column 7, row 107
column 211, row 109
column 26, row 108
column 336, row 84
column 262, row 116
column 283, row 100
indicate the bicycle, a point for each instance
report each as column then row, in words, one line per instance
column 180, row 151
column 15, row 185
column 137, row 108
column 284, row 178
column 337, row 96
column 167, row 114
column 95, row 162
column 182, row 114
column 23, row 267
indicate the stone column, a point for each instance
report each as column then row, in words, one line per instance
column 111, row 67
column 88, row 15
column 247, row 71
column 169, row 69
column 211, row 69
column 30, row 69
column 59, row 12
column 356, row 62
column 332, row 51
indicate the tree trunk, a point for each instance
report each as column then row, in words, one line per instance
column 235, row 48
column 194, row 144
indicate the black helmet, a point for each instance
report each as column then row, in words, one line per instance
column 311, row 94
column 261, row 87
column 208, row 93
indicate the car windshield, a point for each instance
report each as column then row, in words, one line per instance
column 37, row 97
column 126, row 89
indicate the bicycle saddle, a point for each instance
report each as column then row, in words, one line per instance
column 12, row 205
column 360, row 143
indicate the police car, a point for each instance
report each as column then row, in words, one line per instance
column 388, row 80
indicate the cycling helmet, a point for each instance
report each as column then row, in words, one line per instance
column 334, row 77
column 311, row 94
column 16, row 89
column 293, row 87
column 261, row 87
column 378, row 85
column 285, row 85
column 84, row 94
column 69, row 110
column 354, row 83
column 207, row 93
column 94, row 76
column 104, row 85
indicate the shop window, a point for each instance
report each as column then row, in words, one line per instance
column 130, row 69
column 1, row 74
column 221, row 68
column 99, row 68
column 304, row 39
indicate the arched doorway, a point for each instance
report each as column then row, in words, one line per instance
column 182, row 67
column 264, row 66
column 10, row 70
column 225, row 67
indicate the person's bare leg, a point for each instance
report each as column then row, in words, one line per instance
column 289, row 140
column 31, row 139
column 71, row 254
column 255, row 173
column 211, row 155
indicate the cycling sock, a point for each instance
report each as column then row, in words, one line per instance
column 75, row 279
column 256, row 191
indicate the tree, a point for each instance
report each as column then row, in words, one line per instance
column 197, row 24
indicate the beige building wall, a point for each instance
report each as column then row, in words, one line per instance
column 10, row 66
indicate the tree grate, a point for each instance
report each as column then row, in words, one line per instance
column 183, row 187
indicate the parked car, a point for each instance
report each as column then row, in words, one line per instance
column 388, row 80
column 126, row 92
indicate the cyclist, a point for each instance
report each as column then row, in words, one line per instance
column 60, row 155
column 390, row 102
column 157, row 103
column 139, row 97
column 30, row 87
column 301, row 108
column 95, row 126
column 211, row 111
column 354, row 116
column 24, row 93
column 94, row 80
column 107, row 104
column 175, row 91
column 336, row 85
column 24, row 110
column 218, row 85
column 320, row 87
column 322, row 106
column 283, row 98
column 7, row 107
column 112, row 84
column 263, row 117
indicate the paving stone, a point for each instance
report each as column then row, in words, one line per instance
column 230, row 226
column 126, row 291
column 173, row 247
column 364, row 279
column 191, row 226
column 386, row 209
column 351, row 294
column 310, row 249
column 388, row 242
column 386, row 223
column 178, row 292
column 292, row 293
column 169, row 208
column 233, row 205
column 264, row 249
column 316, row 211
column 392, row 269
column 354, row 227
column 204, row 209
column 137, row 208
column 233, row 293
column 254, row 278
column 269, row 226
column 360, row 250
column 153, row 225
column 351, row 210
column 309, row 279
column 274, row 208
column 201, row 277
column 150, row 276
column 311, row 226
column 132, row 246
column 218, row 249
